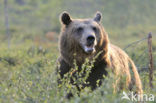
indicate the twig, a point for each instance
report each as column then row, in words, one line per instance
column 150, row 60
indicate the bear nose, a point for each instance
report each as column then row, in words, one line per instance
column 90, row 39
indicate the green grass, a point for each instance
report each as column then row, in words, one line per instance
column 28, row 76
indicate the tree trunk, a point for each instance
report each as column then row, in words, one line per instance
column 7, row 21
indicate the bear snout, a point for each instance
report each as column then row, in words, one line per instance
column 90, row 40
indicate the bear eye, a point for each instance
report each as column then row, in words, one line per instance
column 79, row 29
column 94, row 28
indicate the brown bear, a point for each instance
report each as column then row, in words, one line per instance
column 86, row 38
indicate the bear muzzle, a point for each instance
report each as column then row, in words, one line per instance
column 90, row 40
column 89, row 49
column 90, row 44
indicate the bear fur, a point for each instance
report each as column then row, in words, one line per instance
column 86, row 38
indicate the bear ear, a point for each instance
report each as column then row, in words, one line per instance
column 98, row 17
column 65, row 18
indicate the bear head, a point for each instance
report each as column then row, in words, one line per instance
column 85, row 37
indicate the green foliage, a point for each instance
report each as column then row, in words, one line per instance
column 28, row 75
